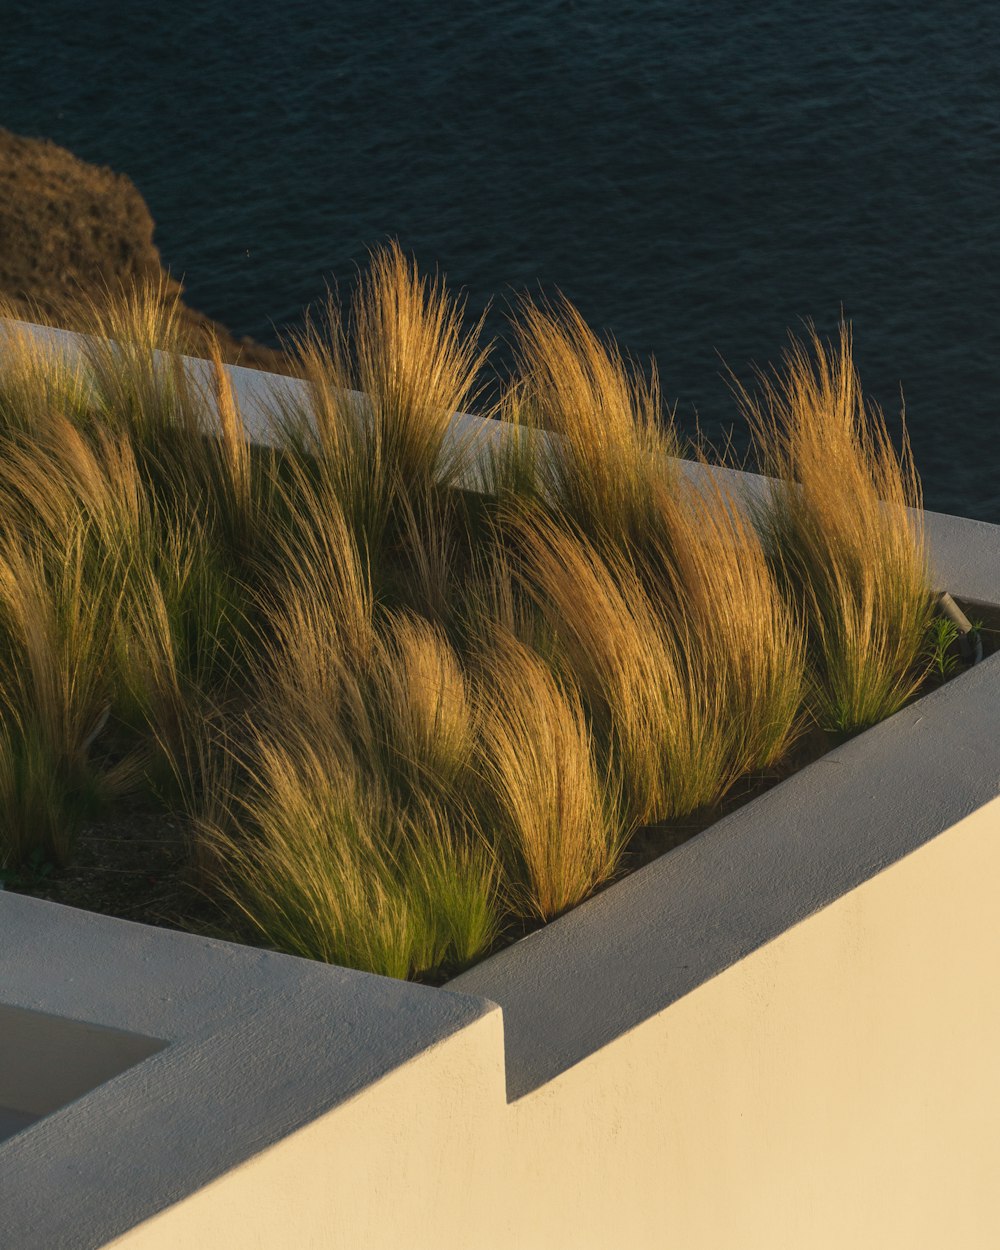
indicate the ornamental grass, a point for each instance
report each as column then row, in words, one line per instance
column 411, row 686
column 844, row 524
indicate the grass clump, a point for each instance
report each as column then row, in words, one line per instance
column 551, row 805
column 666, row 731
column 425, row 719
column 843, row 521
column 55, row 648
column 709, row 574
column 684, row 554
column 38, row 378
column 384, row 380
column 329, row 866
column 613, row 442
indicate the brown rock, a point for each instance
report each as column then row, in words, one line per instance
column 69, row 228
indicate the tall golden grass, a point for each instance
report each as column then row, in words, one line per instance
column 845, row 525
column 326, row 866
column 165, row 604
column 614, row 441
column 552, row 805
column 424, row 711
column 666, row 727
column 385, row 378
column 134, row 337
column 55, row 651
column 37, row 378
column 707, row 569
column 613, row 477
column 317, row 635
column 398, row 717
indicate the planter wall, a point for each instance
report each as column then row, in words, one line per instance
column 782, row 1034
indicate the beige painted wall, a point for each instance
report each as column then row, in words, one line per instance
column 411, row 1163
column 839, row 1087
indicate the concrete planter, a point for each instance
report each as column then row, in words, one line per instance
column 782, row 1034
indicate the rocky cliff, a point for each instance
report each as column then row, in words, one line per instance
column 67, row 227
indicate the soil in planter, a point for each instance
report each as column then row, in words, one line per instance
column 137, row 865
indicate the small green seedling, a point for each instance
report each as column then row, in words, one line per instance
column 939, row 648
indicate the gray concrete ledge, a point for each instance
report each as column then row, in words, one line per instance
column 258, row 1045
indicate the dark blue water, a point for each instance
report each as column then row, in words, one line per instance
column 697, row 176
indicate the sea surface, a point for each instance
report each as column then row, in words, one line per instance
column 698, row 177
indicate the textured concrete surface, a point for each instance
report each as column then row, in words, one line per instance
column 259, row 1045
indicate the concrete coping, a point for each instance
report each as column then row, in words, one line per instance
column 162, row 1060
